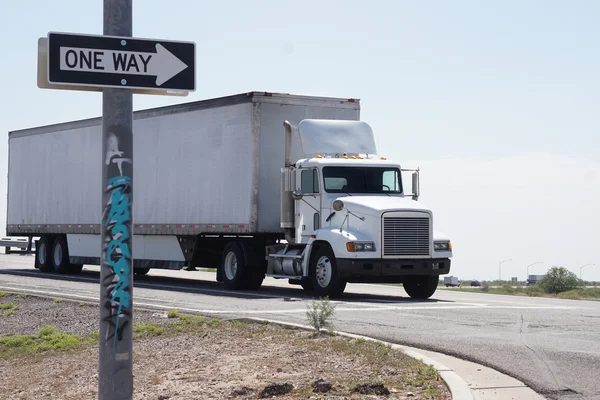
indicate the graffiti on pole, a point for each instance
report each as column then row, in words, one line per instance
column 117, row 245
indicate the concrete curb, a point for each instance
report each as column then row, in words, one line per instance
column 458, row 387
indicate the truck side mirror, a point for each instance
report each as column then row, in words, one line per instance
column 297, row 194
column 415, row 185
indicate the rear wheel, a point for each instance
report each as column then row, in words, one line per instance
column 141, row 271
column 323, row 272
column 43, row 253
column 75, row 268
column 233, row 266
column 60, row 255
column 421, row 287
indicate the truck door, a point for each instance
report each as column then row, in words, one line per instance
column 308, row 208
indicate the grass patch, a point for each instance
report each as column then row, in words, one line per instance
column 46, row 340
column 581, row 294
column 7, row 313
column 57, row 300
column 20, row 296
column 3, row 294
column 537, row 291
column 173, row 314
column 8, row 306
column 147, row 330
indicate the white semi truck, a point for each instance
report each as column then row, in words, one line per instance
column 256, row 184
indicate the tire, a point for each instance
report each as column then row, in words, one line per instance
column 141, row 271
column 60, row 255
column 43, row 254
column 255, row 279
column 323, row 272
column 421, row 287
column 75, row 268
column 233, row 267
column 307, row 285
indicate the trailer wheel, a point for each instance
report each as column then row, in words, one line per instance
column 421, row 287
column 43, row 252
column 255, row 278
column 233, row 266
column 60, row 255
column 75, row 268
column 323, row 272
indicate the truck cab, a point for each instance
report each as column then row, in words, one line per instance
column 348, row 219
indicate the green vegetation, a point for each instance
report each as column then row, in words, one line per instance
column 3, row 294
column 8, row 306
column 320, row 314
column 173, row 314
column 46, row 340
column 147, row 330
column 558, row 282
column 57, row 300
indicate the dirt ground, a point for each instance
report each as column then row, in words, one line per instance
column 195, row 358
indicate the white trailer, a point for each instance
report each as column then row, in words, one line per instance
column 451, row 281
column 533, row 279
column 254, row 184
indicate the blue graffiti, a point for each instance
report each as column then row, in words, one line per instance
column 117, row 251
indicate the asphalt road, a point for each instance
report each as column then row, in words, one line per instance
column 552, row 345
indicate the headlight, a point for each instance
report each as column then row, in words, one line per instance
column 442, row 246
column 360, row 246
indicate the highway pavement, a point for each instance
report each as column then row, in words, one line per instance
column 552, row 345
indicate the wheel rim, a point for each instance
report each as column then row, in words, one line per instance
column 323, row 271
column 57, row 254
column 230, row 265
column 42, row 253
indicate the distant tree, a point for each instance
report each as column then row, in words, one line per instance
column 560, row 279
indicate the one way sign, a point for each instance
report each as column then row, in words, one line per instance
column 124, row 62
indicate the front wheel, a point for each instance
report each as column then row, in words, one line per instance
column 421, row 287
column 323, row 271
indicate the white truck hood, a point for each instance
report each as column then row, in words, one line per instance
column 375, row 205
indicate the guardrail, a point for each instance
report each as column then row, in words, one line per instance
column 25, row 246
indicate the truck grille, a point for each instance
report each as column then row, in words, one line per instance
column 405, row 236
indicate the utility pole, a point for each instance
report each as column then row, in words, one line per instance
column 537, row 262
column 115, row 367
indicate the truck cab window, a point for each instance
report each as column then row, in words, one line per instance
column 390, row 181
column 310, row 181
column 368, row 180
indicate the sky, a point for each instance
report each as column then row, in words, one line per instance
column 496, row 102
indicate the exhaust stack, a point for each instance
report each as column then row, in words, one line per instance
column 287, row 202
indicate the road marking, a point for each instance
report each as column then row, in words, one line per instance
column 150, row 285
column 281, row 311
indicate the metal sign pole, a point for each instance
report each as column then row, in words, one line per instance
column 115, row 367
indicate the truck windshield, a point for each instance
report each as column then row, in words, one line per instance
column 362, row 180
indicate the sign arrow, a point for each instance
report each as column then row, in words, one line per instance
column 87, row 62
column 162, row 64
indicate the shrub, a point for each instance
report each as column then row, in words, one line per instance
column 319, row 314
column 560, row 279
